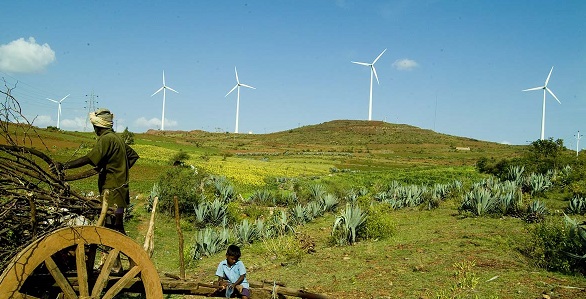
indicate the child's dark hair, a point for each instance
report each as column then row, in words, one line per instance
column 234, row 251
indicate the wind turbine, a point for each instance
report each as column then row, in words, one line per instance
column 237, row 87
column 544, row 87
column 58, row 109
column 164, row 88
column 372, row 71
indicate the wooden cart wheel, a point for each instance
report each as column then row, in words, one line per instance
column 42, row 263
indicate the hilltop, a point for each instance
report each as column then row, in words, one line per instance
column 358, row 137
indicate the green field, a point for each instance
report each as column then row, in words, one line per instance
column 437, row 253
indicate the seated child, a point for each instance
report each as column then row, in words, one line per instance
column 232, row 274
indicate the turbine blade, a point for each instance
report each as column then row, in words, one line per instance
column 64, row 98
column 52, row 100
column 235, row 71
column 381, row 54
column 374, row 71
column 231, row 90
column 361, row 63
column 247, row 86
column 158, row 91
column 163, row 78
column 547, row 80
column 534, row 88
column 551, row 92
column 171, row 89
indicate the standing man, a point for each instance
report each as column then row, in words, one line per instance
column 112, row 158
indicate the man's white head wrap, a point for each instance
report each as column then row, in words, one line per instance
column 102, row 118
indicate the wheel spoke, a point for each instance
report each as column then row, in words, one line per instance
column 82, row 276
column 120, row 284
column 105, row 272
column 60, row 278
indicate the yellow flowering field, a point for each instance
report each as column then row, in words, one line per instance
column 254, row 171
column 241, row 170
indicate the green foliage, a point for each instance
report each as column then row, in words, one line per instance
column 127, row 136
column 179, row 158
column 550, row 243
column 183, row 183
column 379, row 223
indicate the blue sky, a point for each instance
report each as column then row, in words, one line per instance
column 455, row 67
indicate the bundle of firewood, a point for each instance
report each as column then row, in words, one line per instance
column 34, row 198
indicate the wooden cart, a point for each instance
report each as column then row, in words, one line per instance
column 63, row 264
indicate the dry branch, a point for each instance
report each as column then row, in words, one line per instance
column 34, row 199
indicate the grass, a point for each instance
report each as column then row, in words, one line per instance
column 419, row 261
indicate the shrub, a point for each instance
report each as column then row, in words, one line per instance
column 549, row 244
column 379, row 224
column 179, row 158
column 180, row 182
column 285, row 248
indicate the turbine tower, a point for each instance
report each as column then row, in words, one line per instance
column 58, row 109
column 164, row 88
column 545, row 88
column 372, row 71
column 578, row 137
column 237, row 87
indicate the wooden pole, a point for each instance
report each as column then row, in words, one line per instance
column 178, row 223
column 104, row 211
column 149, row 240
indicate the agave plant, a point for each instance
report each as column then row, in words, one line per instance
column 216, row 212
column 207, row 242
column 347, row 224
column 263, row 196
column 330, row 202
column 317, row 191
column 351, row 196
column 201, row 212
column 298, row 214
column 577, row 205
column 515, row 173
column 245, row 232
column 536, row 211
column 479, row 201
column 225, row 192
column 537, row 183
column 577, row 231
column 313, row 210
column 280, row 224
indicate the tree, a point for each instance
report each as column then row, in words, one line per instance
column 127, row 136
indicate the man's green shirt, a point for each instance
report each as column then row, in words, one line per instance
column 113, row 159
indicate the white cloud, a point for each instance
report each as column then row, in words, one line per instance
column 505, row 142
column 405, row 64
column 43, row 121
column 25, row 56
column 76, row 124
column 153, row 123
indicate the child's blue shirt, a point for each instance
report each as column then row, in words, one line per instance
column 232, row 273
